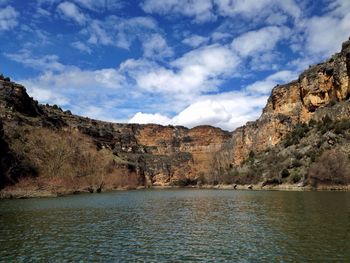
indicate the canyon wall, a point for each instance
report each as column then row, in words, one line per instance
column 167, row 155
column 319, row 86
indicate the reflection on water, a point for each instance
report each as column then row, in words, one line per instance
column 178, row 225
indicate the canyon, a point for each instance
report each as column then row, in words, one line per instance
column 43, row 148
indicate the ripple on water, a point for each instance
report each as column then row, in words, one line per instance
column 177, row 225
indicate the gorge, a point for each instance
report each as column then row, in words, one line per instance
column 47, row 151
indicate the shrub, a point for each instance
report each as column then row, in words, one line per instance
column 272, row 181
column 296, row 163
column 295, row 177
column 325, row 125
column 342, row 126
column 299, row 132
column 184, row 182
column 331, row 168
column 284, row 173
column 312, row 123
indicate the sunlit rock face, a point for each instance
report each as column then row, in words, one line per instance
column 319, row 86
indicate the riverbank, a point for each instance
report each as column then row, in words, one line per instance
column 13, row 193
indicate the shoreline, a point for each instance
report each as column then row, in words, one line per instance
column 26, row 194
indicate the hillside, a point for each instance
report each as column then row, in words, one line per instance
column 301, row 138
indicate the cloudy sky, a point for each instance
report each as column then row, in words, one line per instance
column 180, row 62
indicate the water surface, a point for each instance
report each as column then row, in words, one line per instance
column 178, row 225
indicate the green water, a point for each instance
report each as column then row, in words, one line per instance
column 178, row 225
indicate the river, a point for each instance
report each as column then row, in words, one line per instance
column 178, row 225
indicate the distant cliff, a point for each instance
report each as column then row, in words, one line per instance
column 305, row 122
column 123, row 155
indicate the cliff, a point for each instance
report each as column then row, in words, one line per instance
column 304, row 125
column 144, row 154
column 319, row 86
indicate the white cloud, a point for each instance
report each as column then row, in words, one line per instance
column 262, row 40
column 227, row 110
column 100, row 5
column 208, row 10
column 47, row 62
column 82, row 47
column 255, row 9
column 156, row 46
column 8, row 18
column 147, row 118
column 46, row 95
column 198, row 71
column 201, row 10
column 265, row 86
column 195, row 40
column 120, row 32
column 70, row 11
column 325, row 34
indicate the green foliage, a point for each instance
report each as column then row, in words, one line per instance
column 296, row 163
column 342, row 126
column 312, row 123
column 326, row 125
column 251, row 158
column 284, row 173
column 295, row 177
column 298, row 155
column 185, row 182
column 296, row 134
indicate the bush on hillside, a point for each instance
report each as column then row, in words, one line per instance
column 331, row 168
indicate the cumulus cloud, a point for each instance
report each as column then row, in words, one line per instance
column 258, row 41
column 324, row 34
column 70, row 11
column 265, row 86
column 148, row 118
column 8, row 18
column 197, row 71
column 227, row 110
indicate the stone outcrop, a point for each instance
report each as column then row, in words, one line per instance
column 319, row 86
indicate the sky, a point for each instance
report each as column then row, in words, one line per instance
column 171, row 62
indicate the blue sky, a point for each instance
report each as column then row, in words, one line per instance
column 179, row 62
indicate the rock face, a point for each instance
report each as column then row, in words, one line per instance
column 160, row 155
column 321, row 85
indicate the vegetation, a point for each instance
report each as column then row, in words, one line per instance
column 333, row 167
column 67, row 159
column 297, row 134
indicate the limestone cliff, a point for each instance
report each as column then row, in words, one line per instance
column 296, row 102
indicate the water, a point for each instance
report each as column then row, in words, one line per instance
column 178, row 225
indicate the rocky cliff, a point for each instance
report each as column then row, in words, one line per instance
column 319, row 86
column 156, row 155
column 43, row 147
